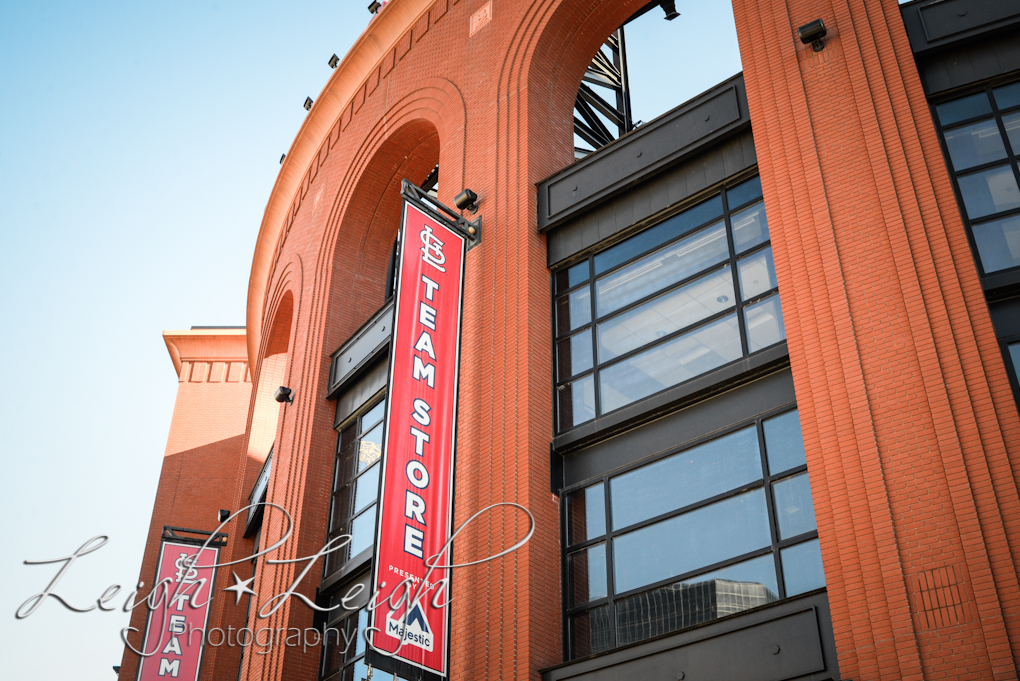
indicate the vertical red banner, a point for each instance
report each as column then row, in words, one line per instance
column 175, row 630
column 415, row 507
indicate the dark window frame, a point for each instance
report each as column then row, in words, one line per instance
column 1012, row 371
column 340, row 619
column 739, row 307
column 351, row 562
column 766, row 482
column 998, row 278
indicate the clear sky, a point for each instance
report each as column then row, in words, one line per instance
column 139, row 142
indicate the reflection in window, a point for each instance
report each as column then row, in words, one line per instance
column 686, row 296
column 998, row 243
column 989, row 191
column 982, row 137
column 356, row 484
column 696, row 600
column 343, row 647
column 709, row 531
column 686, row 478
column 670, row 363
column 687, row 542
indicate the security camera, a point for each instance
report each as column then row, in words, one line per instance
column 812, row 34
column 466, row 201
column 283, row 395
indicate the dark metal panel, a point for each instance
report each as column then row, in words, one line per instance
column 947, row 18
column 648, row 150
column 624, row 214
column 355, row 355
column 785, row 641
column 1004, row 284
column 679, row 427
column 357, row 393
column 1006, row 317
column 993, row 56
column 938, row 23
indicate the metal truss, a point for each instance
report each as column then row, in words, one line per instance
column 607, row 72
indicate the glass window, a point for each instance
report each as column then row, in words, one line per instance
column 356, row 484
column 784, row 443
column 588, row 574
column 589, row 632
column 573, row 310
column 990, row 195
column 572, row 276
column 666, row 314
column 675, row 301
column 696, row 600
column 662, row 268
column 998, row 243
column 696, row 534
column 670, row 363
column 685, row 478
column 795, row 511
column 577, row 402
column 989, row 191
column 573, row 354
column 343, row 650
column 963, row 109
column 1007, row 96
column 750, row 227
column 586, row 510
column 757, row 273
column 975, row 144
column 702, row 537
column 1011, row 122
column 742, row 193
column 1014, row 356
column 802, row 568
column 764, row 323
column 658, row 235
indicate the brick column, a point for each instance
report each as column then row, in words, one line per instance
column 910, row 427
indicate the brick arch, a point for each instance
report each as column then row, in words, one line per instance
column 369, row 224
column 352, row 246
column 418, row 131
column 270, row 374
column 266, row 416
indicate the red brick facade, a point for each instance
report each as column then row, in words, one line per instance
column 911, row 428
column 206, row 439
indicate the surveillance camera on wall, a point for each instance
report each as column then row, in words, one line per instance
column 466, row 201
column 812, row 34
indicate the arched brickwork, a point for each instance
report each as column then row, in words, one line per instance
column 346, row 226
column 911, row 431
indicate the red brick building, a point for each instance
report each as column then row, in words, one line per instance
column 627, row 372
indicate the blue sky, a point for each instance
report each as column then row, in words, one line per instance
column 139, row 142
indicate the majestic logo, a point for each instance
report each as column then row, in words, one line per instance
column 414, row 631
